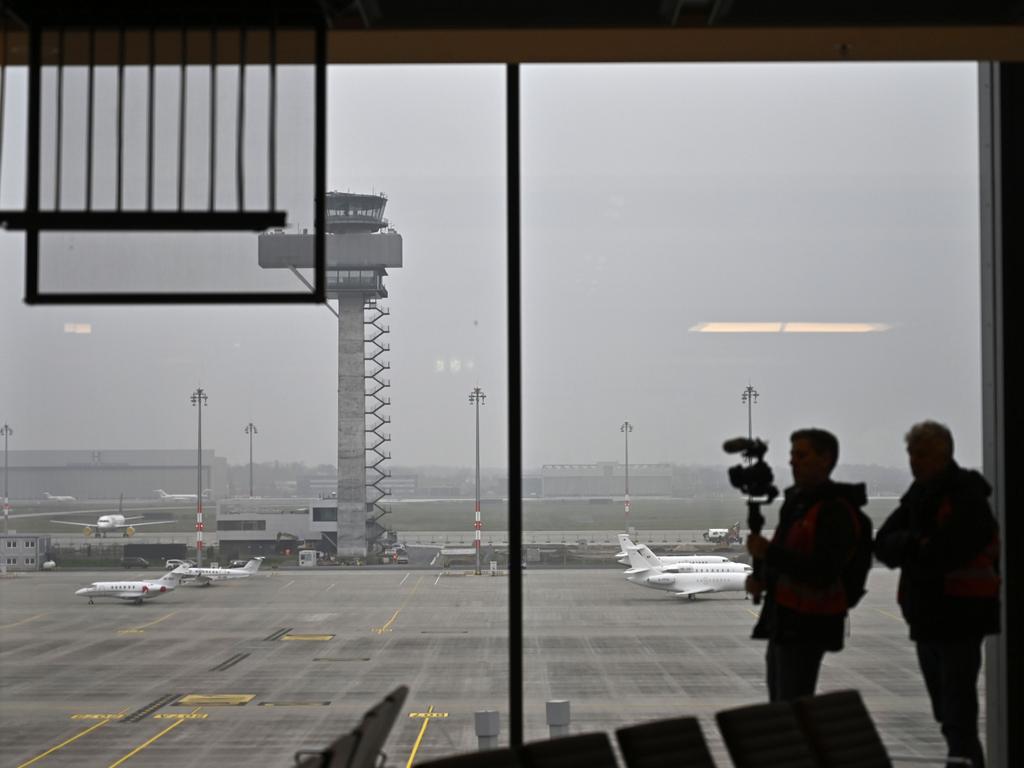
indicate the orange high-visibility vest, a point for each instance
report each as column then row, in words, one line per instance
column 798, row 596
column 978, row 577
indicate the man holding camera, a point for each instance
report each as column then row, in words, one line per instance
column 945, row 541
column 805, row 604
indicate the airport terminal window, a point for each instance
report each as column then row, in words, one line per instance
column 651, row 210
column 692, row 231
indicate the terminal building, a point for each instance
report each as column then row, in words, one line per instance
column 248, row 527
column 106, row 474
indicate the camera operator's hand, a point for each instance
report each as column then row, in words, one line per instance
column 754, row 586
column 757, row 545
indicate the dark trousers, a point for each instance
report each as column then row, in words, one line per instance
column 951, row 675
column 792, row 669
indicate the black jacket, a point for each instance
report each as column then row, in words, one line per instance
column 833, row 542
column 912, row 540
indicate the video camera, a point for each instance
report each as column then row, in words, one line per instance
column 755, row 478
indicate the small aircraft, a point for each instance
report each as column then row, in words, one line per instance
column 112, row 524
column 50, row 497
column 205, row 576
column 625, row 542
column 179, row 496
column 697, row 579
column 136, row 591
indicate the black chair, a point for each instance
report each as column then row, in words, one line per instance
column 678, row 741
column 361, row 747
column 488, row 758
column 766, row 736
column 842, row 734
column 587, row 750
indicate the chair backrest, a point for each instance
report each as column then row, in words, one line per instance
column 361, row 747
column 765, row 736
column 488, row 758
column 840, row 731
column 587, row 750
column 678, row 741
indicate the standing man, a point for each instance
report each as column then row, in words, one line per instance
column 945, row 540
column 805, row 604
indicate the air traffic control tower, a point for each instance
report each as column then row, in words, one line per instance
column 360, row 248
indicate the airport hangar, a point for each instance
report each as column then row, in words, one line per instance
column 106, row 474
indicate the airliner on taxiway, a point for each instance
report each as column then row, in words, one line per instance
column 112, row 524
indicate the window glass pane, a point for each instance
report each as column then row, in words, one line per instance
column 99, row 403
column 807, row 231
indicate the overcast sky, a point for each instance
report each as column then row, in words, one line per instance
column 655, row 198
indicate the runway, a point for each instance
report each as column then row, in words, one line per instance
column 248, row 672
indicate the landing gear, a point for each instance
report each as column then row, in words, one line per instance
column 691, row 597
column 91, row 602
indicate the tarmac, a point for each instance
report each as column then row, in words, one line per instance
column 248, row 672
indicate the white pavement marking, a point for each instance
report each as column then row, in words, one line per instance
column 287, row 585
column 437, row 579
column 403, row 579
column 331, row 586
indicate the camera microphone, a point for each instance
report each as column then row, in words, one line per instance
column 738, row 445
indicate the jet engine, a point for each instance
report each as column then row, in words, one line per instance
column 660, row 579
column 129, row 531
column 87, row 531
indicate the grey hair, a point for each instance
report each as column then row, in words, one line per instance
column 930, row 431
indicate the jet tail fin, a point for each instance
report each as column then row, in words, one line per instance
column 253, row 565
column 649, row 557
column 636, row 561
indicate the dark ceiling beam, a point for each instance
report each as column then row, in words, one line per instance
column 683, row 44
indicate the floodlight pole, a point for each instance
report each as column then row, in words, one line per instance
column 749, row 397
column 6, row 431
column 250, row 430
column 476, row 398
column 198, row 399
column 625, row 429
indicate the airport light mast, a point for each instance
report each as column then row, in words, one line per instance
column 476, row 399
column 198, row 399
column 749, row 397
column 625, row 429
column 6, row 431
column 250, row 430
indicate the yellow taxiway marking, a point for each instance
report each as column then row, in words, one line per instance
column 319, row 638
column 426, row 721
column 89, row 716
column 23, row 621
column 139, row 629
column 752, row 613
column 890, row 615
column 215, row 699
column 180, row 716
column 386, row 627
column 429, row 715
column 145, row 744
column 51, row 750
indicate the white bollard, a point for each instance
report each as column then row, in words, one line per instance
column 558, row 717
column 488, row 724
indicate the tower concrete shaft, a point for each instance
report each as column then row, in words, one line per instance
column 351, row 540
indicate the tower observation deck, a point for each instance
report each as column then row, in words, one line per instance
column 360, row 247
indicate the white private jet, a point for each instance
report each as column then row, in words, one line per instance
column 50, row 497
column 625, row 542
column 113, row 524
column 205, row 576
column 136, row 591
column 691, row 579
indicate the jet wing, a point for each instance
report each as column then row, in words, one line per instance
column 80, row 525
column 152, row 522
column 693, row 591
